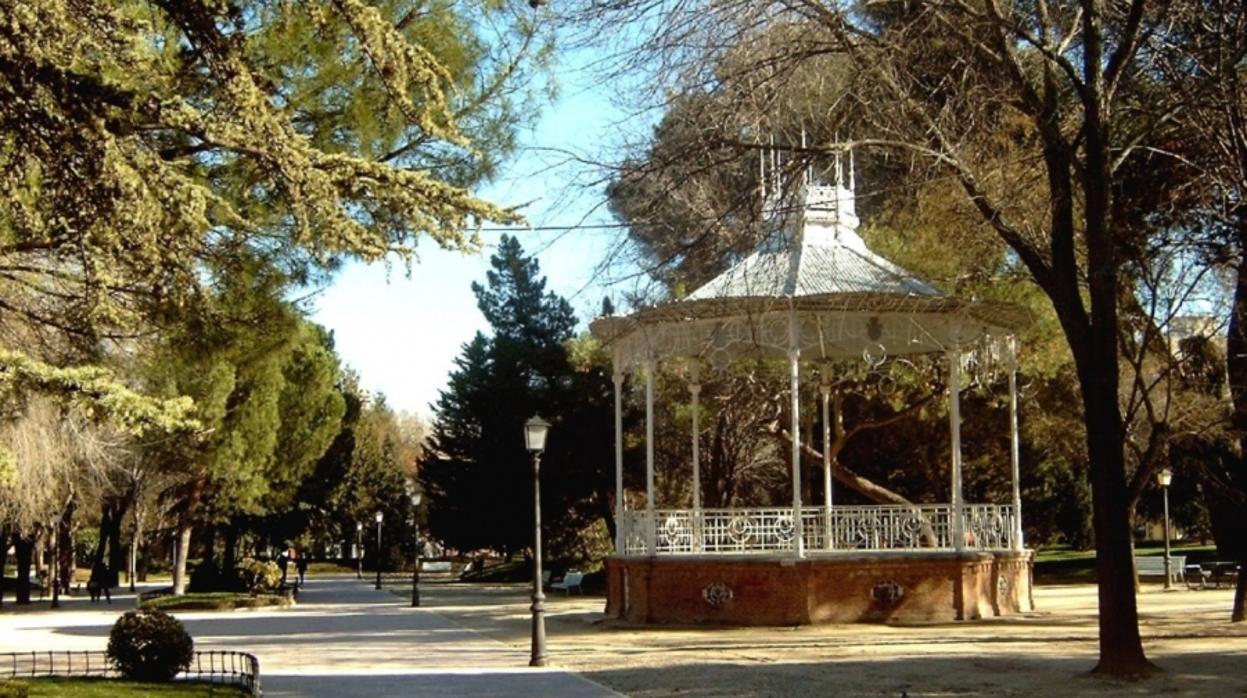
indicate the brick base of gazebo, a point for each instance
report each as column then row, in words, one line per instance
column 836, row 588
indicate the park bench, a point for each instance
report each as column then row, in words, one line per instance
column 1154, row 566
column 570, row 581
column 1196, row 577
column 435, row 566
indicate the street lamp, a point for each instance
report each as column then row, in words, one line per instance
column 379, row 518
column 56, row 564
column 359, row 549
column 535, row 439
column 1165, row 477
column 415, row 569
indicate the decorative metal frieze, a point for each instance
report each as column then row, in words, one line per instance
column 819, row 334
column 887, row 593
column 863, row 528
column 717, row 593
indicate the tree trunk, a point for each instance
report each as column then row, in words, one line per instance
column 24, row 547
column 65, row 566
column 106, row 524
column 182, row 542
column 229, row 552
column 4, row 559
column 1095, row 351
column 133, row 563
column 208, row 542
column 181, row 548
column 116, row 552
column 1230, row 512
column 867, row 488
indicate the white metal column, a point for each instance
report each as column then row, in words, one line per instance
column 825, row 391
column 650, row 539
column 694, row 389
column 620, row 538
column 1015, row 456
column 794, row 356
column 956, row 521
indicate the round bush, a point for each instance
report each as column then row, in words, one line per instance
column 259, row 576
column 149, row 645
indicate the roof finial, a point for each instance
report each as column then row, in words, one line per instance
column 762, row 174
column 839, row 167
column 852, row 174
column 805, row 171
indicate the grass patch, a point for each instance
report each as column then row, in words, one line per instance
column 522, row 571
column 106, row 688
column 1061, row 564
column 327, row 568
column 514, row 571
column 214, row 601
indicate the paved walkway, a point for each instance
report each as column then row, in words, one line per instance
column 343, row 639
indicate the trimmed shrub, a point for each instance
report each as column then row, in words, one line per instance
column 149, row 645
column 14, row 689
column 259, row 577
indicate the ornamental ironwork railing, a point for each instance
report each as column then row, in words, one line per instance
column 211, row 666
column 918, row 527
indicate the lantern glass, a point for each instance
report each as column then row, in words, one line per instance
column 1165, row 477
column 379, row 517
column 535, row 431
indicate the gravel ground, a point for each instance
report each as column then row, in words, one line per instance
column 1049, row 652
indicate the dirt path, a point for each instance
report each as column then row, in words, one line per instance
column 342, row 640
column 1049, row 652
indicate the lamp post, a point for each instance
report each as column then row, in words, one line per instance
column 1165, row 477
column 359, row 549
column 535, row 439
column 56, row 564
column 379, row 517
column 415, row 568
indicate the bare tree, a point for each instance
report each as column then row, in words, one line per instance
column 1035, row 110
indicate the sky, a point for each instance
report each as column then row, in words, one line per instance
column 401, row 334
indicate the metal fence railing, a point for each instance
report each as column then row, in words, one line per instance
column 917, row 527
column 212, row 666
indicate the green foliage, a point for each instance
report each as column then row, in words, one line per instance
column 14, row 689
column 135, row 174
column 476, row 470
column 214, row 601
column 311, row 410
column 149, row 645
column 115, row 688
column 8, row 467
column 85, row 542
column 259, row 575
column 368, row 467
column 96, row 390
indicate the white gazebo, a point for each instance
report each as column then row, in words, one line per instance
column 810, row 293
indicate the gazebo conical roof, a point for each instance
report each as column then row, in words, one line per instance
column 813, row 286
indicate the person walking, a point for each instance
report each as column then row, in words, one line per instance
column 300, row 564
column 97, row 584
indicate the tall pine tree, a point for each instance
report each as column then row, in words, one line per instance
column 476, row 471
